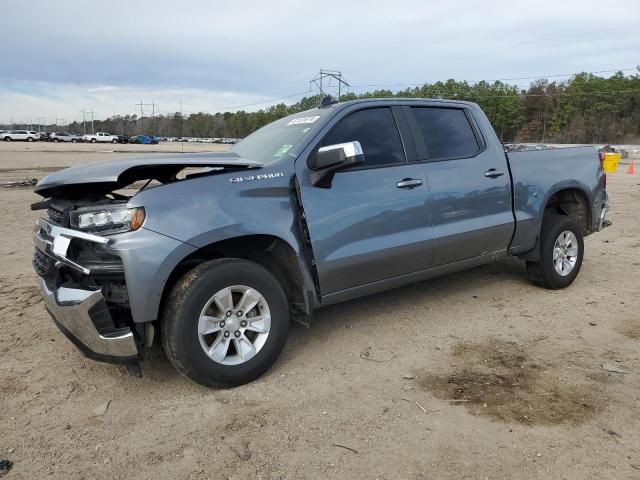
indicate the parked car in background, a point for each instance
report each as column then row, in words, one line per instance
column 100, row 137
column 64, row 137
column 123, row 138
column 20, row 135
column 144, row 139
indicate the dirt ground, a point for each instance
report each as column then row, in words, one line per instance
column 478, row 375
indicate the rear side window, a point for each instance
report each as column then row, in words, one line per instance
column 377, row 133
column 447, row 132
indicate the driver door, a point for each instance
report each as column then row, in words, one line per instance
column 373, row 222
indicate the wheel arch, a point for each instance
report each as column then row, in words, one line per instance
column 570, row 199
column 269, row 251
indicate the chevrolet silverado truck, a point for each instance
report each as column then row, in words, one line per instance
column 214, row 253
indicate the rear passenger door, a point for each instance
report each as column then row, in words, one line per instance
column 468, row 183
column 373, row 223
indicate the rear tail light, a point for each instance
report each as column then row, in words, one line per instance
column 601, row 156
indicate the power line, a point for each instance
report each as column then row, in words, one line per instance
column 328, row 74
column 507, row 79
column 263, row 102
column 426, row 83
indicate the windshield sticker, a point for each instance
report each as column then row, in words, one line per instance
column 283, row 150
column 301, row 120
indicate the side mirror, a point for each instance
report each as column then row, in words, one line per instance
column 332, row 158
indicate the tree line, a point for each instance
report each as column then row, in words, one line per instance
column 584, row 109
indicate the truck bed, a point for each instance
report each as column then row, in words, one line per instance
column 538, row 174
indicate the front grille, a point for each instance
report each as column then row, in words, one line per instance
column 55, row 216
column 43, row 264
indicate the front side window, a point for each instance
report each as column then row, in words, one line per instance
column 446, row 132
column 377, row 133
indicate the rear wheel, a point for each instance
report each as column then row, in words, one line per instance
column 225, row 322
column 55, row 140
column 561, row 252
column 93, row 140
column 7, row 139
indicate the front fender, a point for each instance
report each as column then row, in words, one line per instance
column 148, row 259
column 207, row 210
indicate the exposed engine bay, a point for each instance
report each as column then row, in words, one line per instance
column 85, row 206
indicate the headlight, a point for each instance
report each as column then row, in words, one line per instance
column 113, row 219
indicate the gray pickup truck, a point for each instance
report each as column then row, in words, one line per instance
column 214, row 253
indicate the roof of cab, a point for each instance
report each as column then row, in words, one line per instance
column 399, row 100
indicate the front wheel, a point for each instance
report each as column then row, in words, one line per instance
column 93, row 140
column 29, row 139
column 114, row 141
column 561, row 252
column 225, row 322
column 7, row 139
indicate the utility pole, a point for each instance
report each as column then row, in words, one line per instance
column 328, row 74
column 181, row 139
column 153, row 112
column 42, row 124
column 84, row 121
column 141, row 116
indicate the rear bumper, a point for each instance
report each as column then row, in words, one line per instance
column 602, row 217
column 72, row 310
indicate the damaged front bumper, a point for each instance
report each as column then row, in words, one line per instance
column 74, row 312
column 81, row 313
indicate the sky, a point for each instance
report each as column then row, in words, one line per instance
column 59, row 58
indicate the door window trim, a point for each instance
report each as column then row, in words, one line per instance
column 402, row 127
column 422, row 151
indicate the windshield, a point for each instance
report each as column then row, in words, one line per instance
column 274, row 141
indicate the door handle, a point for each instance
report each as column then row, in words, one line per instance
column 493, row 173
column 409, row 183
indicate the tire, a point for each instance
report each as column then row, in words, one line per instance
column 73, row 141
column 93, row 140
column 188, row 300
column 7, row 139
column 29, row 139
column 55, row 140
column 114, row 141
column 544, row 272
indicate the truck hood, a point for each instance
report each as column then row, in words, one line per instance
column 104, row 177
